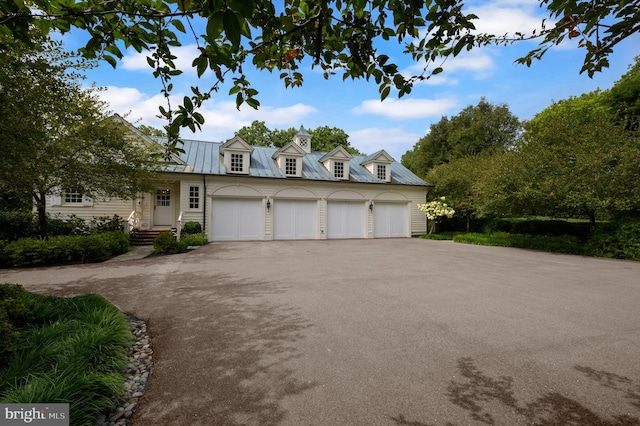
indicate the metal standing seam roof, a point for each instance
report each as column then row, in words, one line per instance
column 204, row 158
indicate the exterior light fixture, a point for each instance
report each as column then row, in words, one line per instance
column 371, row 206
column 268, row 205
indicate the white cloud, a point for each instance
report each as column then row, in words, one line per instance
column 134, row 61
column 407, row 109
column 395, row 141
column 222, row 119
column 479, row 62
column 501, row 18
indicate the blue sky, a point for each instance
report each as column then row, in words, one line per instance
column 354, row 106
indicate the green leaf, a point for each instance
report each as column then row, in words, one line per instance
column 111, row 60
column 231, row 27
column 385, row 93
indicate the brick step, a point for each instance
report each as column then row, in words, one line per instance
column 145, row 237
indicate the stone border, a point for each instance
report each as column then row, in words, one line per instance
column 136, row 374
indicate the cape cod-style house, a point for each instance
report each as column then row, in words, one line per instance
column 241, row 192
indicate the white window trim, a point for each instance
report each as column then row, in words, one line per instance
column 199, row 208
column 245, row 162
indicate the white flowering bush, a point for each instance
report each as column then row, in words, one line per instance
column 436, row 209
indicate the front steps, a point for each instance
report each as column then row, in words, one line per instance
column 145, row 237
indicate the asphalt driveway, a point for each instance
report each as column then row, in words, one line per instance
column 376, row 332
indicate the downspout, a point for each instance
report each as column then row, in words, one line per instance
column 204, row 204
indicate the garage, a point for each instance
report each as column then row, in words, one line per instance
column 345, row 219
column 294, row 219
column 390, row 220
column 236, row 219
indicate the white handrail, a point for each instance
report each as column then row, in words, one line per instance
column 179, row 226
column 131, row 222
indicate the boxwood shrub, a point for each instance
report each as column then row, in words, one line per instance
column 64, row 249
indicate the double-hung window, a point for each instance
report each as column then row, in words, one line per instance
column 338, row 169
column 382, row 171
column 194, row 197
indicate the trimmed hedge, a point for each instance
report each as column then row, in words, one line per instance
column 553, row 227
column 64, row 250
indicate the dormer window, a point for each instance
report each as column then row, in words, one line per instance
column 237, row 156
column 290, row 166
column 237, row 163
column 289, row 159
column 379, row 165
column 337, row 162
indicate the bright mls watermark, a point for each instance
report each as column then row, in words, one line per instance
column 34, row 414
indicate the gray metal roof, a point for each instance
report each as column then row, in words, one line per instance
column 205, row 158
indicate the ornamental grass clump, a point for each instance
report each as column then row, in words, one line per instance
column 64, row 350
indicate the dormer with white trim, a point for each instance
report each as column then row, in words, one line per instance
column 236, row 154
column 337, row 162
column 379, row 165
column 289, row 159
column 303, row 139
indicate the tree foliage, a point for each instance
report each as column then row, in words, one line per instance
column 574, row 160
column 624, row 97
column 323, row 138
column 457, row 181
column 347, row 37
column 480, row 129
column 57, row 136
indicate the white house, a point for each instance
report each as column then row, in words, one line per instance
column 242, row 192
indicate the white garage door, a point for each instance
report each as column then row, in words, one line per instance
column 236, row 219
column 294, row 219
column 390, row 220
column 345, row 219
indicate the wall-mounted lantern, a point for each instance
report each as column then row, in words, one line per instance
column 371, row 206
column 268, row 205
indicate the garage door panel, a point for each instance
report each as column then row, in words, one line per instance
column 345, row 219
column 390, row 220
column 294, row 219
column 236, row 220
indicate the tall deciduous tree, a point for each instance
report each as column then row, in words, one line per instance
column 574, row 160
column 56, row 136
column 624, row 97
column 349, row 37
column 480, row 129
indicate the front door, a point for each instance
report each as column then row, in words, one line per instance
column 162, row 208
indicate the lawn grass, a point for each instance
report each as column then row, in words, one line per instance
column 65, row 350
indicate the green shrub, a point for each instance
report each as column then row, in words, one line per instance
column 74, row 352
column 192, row 228
column 618, row 239
column 194, row 239
column 165, row 243
column 551, row 227
column 561, row 244
column 102, row 224
column 71, row 225
column 17, row 224
column 16, row 310
column 65, row 249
